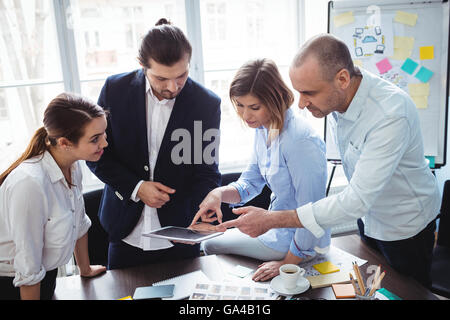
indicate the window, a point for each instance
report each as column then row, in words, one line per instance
column 30, row 72
column 233, row 32
column 98, row 38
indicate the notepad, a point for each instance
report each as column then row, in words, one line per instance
column 184, row 284
column 326, row 280
column 343, row 290
column 326, row 267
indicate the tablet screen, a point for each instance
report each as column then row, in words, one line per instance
column 178, row 233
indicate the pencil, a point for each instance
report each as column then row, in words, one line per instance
column 354, row 284
column 360, row 279
column 377, row 274
column 377, row 283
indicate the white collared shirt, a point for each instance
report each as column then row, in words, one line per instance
column 390, row 184
column 41, row 218
column 158, row 115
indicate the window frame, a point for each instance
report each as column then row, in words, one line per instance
column 72, row 81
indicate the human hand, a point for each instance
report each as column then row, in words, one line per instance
column 199, row 226
column 92, row 271
column 202, row 226
column 154, row 194
column 210, row 206
column 267, row 270
column 252, row 221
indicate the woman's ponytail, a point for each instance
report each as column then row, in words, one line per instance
column 37, row 146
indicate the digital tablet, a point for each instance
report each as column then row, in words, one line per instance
column 182, row 234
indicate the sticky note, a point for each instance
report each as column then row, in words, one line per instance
column 426, row 53
column 404, row 42
column 344, row 290
column 343, row 19
column 326, row 267
column 424, row 74
column 421, row 102
column 409, row 19
column 419, row 89
column 431, row 161
column 358, row 63
column 384, row 65
column 401, row 54
column 409, row 66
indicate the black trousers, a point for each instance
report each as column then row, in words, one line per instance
column 411, row 257
column 9, row 292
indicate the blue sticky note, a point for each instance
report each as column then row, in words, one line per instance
column 409, row 66
column 431, row 162
column 424, row 74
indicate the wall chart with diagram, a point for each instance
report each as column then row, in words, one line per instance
column 406, row 43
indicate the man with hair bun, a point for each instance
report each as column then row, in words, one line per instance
column 145, row 188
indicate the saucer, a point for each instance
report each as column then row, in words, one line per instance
column 277, row 285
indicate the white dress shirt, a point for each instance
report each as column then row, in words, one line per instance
column 381, row 147
column 158, row 114
column 41, row 218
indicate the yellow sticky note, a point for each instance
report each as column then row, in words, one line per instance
column 409, row 19
column 343, row 19
column 358, row 63
column 126, row 298
column 406, row 43
column 420, row 101
column 426, row 52
column 401, row 54
column 326, row 267
column 419, row 89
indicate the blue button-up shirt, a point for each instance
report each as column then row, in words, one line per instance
column 381, row 147
column 294, row 168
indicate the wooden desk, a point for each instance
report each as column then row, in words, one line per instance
column 115, row 284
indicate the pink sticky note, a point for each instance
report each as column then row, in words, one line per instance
column 384, row 65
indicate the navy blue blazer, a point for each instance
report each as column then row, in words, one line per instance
column 126, row 159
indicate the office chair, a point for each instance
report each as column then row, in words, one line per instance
column 440, row 266
column 97, row 236
column 261, row 201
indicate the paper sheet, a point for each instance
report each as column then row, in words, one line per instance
column 340, row 258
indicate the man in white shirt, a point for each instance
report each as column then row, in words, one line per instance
column 378, row 135
column 148, row 183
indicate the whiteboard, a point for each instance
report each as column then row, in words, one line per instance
column 406, row 43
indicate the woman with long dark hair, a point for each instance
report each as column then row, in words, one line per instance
column 42, row 216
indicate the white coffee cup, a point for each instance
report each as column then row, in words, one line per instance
column 290, row 273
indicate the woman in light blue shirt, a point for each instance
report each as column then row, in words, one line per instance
column 288, row 156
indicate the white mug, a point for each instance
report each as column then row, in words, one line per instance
column 290, row 273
